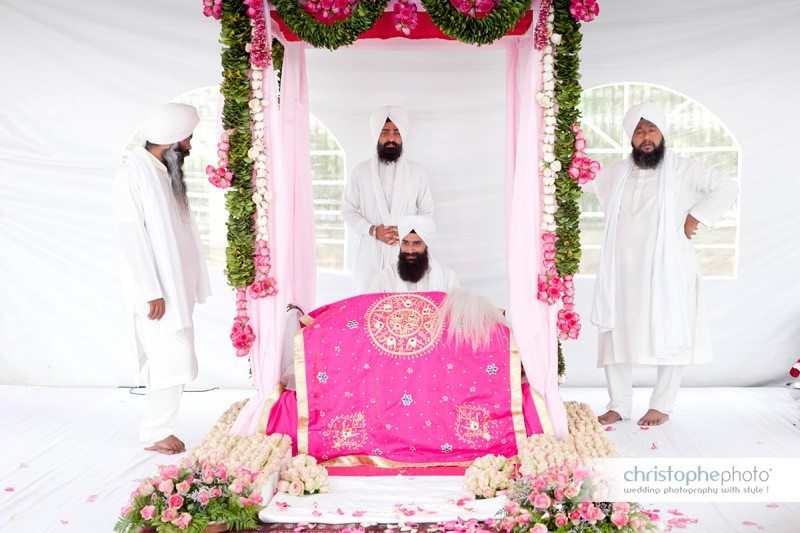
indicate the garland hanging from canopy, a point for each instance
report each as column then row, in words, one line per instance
column 474, row 23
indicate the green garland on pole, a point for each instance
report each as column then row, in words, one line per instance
column 568, row 192
column 331, row 36
column 235, row 34
column 473, row 30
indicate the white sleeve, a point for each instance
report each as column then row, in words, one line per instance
column 351, row 207
column 425, row 205
column 133, row 238
column 717, row 190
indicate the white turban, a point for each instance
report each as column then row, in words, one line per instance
column 170, row 123
column 425, row 227
column 397, row 115
column 647, row 111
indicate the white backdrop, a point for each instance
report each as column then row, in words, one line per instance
column 77, row 78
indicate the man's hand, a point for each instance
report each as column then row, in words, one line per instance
column 156, row 309
column 690, row 226
column 387, row 234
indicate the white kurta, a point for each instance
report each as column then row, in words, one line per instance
column 365, row 204
column 161, row 258
column 702, row 191
column 436, row 278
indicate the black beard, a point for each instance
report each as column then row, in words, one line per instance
column 389, row 152
column 412, row 267
column 648, row 159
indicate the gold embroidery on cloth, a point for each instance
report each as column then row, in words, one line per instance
column 346, row 432
column 403, row 325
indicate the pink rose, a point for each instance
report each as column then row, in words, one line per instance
column 296, row 488
column 169, row 471
column 222, row 472
column 539, row 528
column 523, row 518
column 637, row 524
column 561, row 520
column 511, row 507
column 183, row 521
column 236, row 487
column 257, row 499
column 203, row 498
column 622, row 507
column 619, row 519
column 244, row 501
column 558, row 495
column 216, row 492
column 176, row 500
column 487, row 492
column 169, row 514
column 575, row 517
column 166, row 486
column 541, row 501
column 147, row 512
column 184, row 486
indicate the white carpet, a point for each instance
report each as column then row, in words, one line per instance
column 72, row 458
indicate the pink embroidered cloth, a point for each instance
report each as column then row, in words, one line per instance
column 378, row 385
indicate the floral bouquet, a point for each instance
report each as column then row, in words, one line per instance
column 560, row 499
column 488, row 475
column 302, row 475
column 190, row 497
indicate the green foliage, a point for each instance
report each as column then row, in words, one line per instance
column 235, row 33
column 331, row 36
column 473, row 30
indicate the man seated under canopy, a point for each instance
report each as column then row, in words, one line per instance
column 415, row 270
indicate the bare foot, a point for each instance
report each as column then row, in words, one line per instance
column 168, row 446
column 653, row 418
column 609, row 417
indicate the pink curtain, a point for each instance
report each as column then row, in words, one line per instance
column 291, row 230
column 534, row 322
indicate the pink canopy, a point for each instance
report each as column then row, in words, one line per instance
column 292, row 222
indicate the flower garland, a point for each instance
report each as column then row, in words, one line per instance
column 404, row 16
column 460, row 20
column 329, row 10
column 584, row 10
column 220, row 176
column 331, row 35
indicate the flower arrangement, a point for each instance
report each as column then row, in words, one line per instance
column 220, row 176
column 560, row 499
column 212, row 8
column 404, row 16
column 488, row 475
column 475, row 8
column 582, row 169
column 329, row 10
column 302, row 475
column 569, row 321
column 242, row 335
column 584, row 10
column 191, row 496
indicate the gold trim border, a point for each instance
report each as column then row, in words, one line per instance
column 268, row 403
column 515, row 367
column 301, row 388
column 381, row 462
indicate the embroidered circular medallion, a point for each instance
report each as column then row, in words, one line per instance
column 403, row 325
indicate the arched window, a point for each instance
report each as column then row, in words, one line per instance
column 692, row 131
column 328, row 167
column 206, row 201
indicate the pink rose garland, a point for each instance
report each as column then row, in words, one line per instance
column 582, row 169
column 405, row 17
column 220, row 176
column 212, row 8
column 541, row 34
column 242, row 336
column 584, row 10
column 329, row 10
column 475, row 8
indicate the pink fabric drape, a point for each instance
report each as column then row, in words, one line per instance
column 291, row 229
column 534, row 322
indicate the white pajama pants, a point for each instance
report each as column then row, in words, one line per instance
column 160, row 418
column 620, row 388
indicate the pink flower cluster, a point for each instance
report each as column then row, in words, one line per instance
column 582, row 169
column 179, row 493
column 569, row 322
column 329, row 10
column 541, row 34
column 255, row 8
column 220, row 176
column 260, row 49
column 212, row 8
column 405, row 16
column 242, row 335
column 475, row 8
column 264, row 285
column 584, row 10
column 558, row 501
column 549, row 284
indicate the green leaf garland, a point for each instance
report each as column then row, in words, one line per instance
column 474, row 30
column 235, row 88
column 331, row 36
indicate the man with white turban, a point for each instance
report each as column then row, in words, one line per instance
column 647, row 303
column 414, row 270
column 162, row 265
column 380, row 191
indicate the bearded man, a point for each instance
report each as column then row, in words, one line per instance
column 648, row 304
column 414, row 270
column 380, row 191
column 163, row 268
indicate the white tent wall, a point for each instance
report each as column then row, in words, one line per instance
column 77, row 78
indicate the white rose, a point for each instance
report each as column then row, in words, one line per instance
column 548, row 156
column 555, row 38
